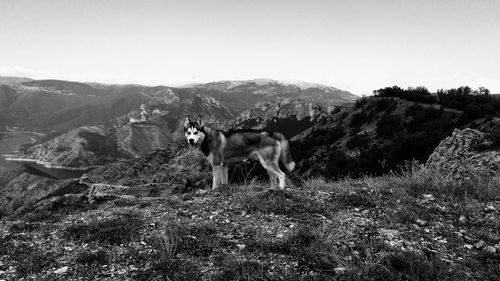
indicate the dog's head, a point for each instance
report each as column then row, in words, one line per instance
column 194, row 131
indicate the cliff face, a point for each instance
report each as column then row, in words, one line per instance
column 285, row 116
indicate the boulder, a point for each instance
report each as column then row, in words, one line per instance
column 465, row 154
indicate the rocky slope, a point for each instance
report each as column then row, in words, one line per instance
column 402, row 227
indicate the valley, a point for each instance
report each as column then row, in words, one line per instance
column 401, row 185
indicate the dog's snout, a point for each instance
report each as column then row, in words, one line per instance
column 191, row 141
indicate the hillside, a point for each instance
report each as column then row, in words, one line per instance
column 413, row 226
column 377, row 135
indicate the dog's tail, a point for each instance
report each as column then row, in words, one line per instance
column 285, row 155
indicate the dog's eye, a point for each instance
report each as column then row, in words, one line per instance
column 189, row 133
column 195, row 133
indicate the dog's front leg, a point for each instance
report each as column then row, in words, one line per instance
column 216, row 176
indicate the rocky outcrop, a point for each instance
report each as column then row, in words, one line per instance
column 142, row 138
column 285, row 116
column 465, row 154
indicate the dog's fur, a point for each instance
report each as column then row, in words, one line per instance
column 223, row 148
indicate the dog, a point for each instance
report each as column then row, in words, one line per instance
column 224, row 148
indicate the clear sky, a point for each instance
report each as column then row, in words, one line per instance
column 353, row 45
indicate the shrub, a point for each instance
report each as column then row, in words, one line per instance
column 361, row 102
column 358, row 141
column 358, row 119
column 166, row 262
column 388, row 125
column 413, row 266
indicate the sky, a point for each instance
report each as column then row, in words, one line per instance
column 357, row 46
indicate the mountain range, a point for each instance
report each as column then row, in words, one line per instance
column 58, row 106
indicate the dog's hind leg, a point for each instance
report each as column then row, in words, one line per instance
column 274, row 167
column 273, row 172
column 273, row 179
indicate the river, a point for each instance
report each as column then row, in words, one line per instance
column 11, row 141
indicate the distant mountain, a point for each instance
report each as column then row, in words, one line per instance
column 271, row 90
column 59, row 106
column 5, row 80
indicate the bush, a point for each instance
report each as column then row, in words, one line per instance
column 166, row 262
column 358, row 119
column 358, row 141
column 413, row 266
column 388, row 125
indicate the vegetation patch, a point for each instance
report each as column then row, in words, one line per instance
column 283, row 203
column 123, row 228
column 42, row 216
column 88, row 257
column 166, row 262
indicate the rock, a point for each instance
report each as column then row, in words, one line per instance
column 463, row 155
column 428, row 196
column 389, row 234
column 340, row 270
column 462, row 219
column 490, row 208
column 62, row 270
column 468, row 246
column 421, row 222
column 479, row 244
column 490, row 250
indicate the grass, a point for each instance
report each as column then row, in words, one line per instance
column 282, row 203
column 167, row 264
column 233, row 269
column 122, row 228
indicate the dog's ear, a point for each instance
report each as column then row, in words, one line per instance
column 186, row 121
column 199, row 121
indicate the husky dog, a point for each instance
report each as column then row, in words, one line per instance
column 223, row 148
